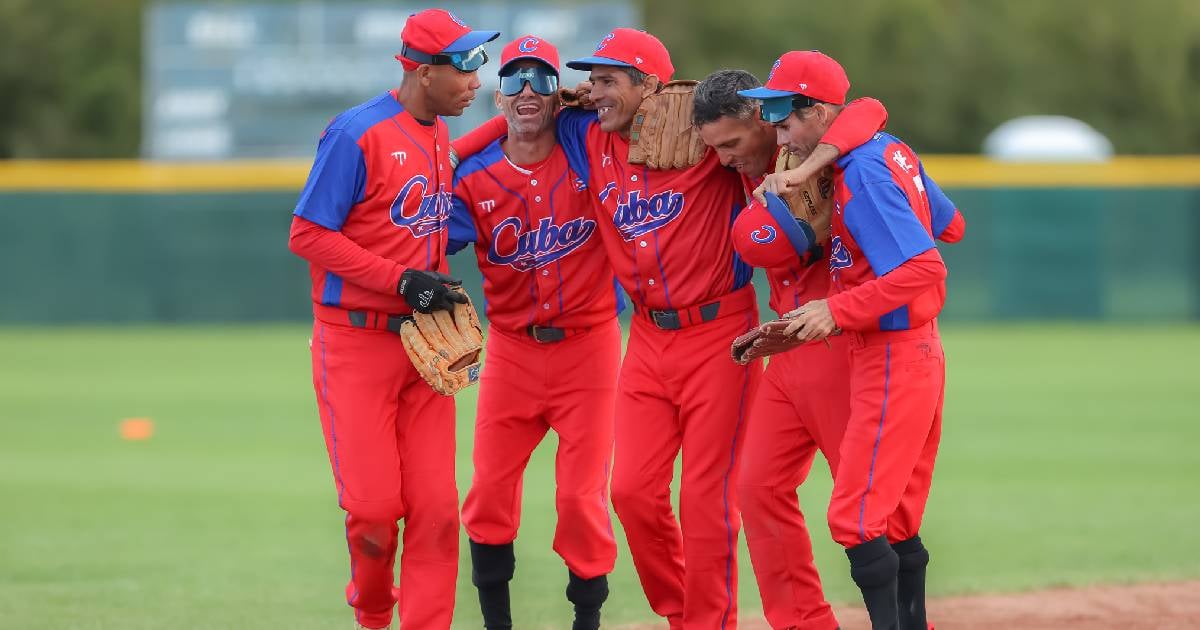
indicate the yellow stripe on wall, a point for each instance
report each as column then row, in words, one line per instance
column 950, row 171
column 145, row 176
column 972, row 171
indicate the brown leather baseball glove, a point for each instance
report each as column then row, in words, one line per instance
column 662, row 135
column 444, row 346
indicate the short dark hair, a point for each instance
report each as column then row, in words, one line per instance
column 717, row 96
column 637, row 77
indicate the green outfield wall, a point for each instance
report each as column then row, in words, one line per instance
column 138, row 242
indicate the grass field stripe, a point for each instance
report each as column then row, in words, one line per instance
column 950, row 171
column 862, row 506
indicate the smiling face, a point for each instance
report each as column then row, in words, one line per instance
column 527, row 112
column 448, row 90
column 744, row 144
column 617, row 98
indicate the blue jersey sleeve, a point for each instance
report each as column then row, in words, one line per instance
column 336, row 182
column 573, row 125
column 940, row 206
column 462, row 225
column 885, row 226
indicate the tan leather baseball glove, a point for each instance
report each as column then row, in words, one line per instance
column 444, row 346
column 813, row 200
column 662, row 135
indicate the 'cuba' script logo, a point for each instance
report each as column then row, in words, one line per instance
column 839, row 256
column 638, row 216
column 539, row 246
column 423, row 217
column 763, row 235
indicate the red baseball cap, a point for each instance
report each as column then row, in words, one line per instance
column 529, row 47
column 630, row 48
column 768, row 236
column 807, row 72
column 437, row 31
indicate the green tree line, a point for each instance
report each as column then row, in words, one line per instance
column 949, row 71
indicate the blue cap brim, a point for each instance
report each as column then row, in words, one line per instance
column 763, row 92
column 779, row 211
column 471, row 40
column 587, row 62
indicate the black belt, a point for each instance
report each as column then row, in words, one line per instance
column 365, row 319
column 546, row 334
column 670, row 319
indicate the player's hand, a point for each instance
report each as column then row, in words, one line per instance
column 811, row 322
column 429, row 291
column 579, row 96
column 784, row 182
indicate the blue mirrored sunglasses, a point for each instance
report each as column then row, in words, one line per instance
column 776, row 110
column 464, row 61
column 541, row 80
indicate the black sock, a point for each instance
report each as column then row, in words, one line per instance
column 588, row 596
column 492, row 568
column 874, row 567
column 910, row 592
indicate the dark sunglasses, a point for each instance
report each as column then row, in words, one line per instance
column 464, row 61
column 776, row 110
column 541, row 80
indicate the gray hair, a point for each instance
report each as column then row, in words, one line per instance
column 717, row 96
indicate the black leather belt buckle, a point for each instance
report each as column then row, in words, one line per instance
column 666, row 320
column 546, row 334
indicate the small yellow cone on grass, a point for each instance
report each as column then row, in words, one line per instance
column 137, row 428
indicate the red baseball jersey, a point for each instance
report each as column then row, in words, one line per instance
column 666, row 231
column 797, row 282
column 383, row 179
column 886, row 212
column 535, row 239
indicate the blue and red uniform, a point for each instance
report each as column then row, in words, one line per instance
column 666, row 233
column 553, row 349
column 888, row 285
column 377, row 202
column 801, row 407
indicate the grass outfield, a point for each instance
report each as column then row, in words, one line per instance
column 1068, row 457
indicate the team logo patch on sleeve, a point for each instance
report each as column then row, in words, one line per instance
column 420, row 211
column 539, row 246
column 638, row 216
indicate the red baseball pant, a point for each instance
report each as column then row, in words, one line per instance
column 801, row 406
column 679, row 389
column 526, row 389
column 390, row 439
column 897, row 380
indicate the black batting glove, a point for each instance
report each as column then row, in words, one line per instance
column 429, row 291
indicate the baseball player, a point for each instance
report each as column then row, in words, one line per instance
column 887, row 287
column 803, row 402
column 371, row 221
column 554, row 345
